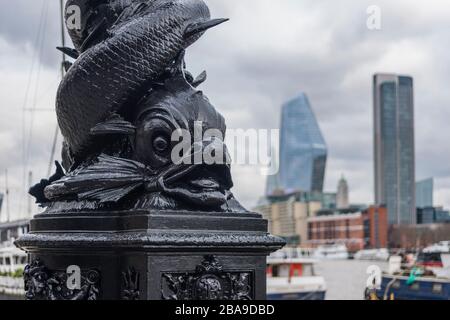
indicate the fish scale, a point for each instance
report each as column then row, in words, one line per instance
column 122, row 67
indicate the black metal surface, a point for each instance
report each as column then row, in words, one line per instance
column 147, row 226
column 135, row 253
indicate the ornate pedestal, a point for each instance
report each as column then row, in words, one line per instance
column 148, row 256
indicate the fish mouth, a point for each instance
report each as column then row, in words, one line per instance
column 206, row 185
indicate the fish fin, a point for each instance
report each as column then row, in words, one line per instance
column 200, row 27
column 109, row 179
column 67, row 65
column 99, row 28
column 73, row 53
column 200, row 79
column 37, row 190
column 115, row 124
column 189, row 77
column 176, row 70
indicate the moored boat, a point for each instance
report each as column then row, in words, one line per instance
column 294, row 279
column 12, row 264
column 414, row 283
column 331, row 252
column 397, row 287
column 372, row 255
column 12, row 260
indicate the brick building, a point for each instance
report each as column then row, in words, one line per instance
column 356, row 229
column 287, row 214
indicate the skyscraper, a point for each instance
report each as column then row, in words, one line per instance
column 424, row 193
column 342, row 194
column 303, row 152
column 394, row 155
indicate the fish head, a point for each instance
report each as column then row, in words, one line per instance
column 181, row 135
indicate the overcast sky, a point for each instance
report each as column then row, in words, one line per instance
column 270, row 51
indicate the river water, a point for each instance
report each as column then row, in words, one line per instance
column 346, row 279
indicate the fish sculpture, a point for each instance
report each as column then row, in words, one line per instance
column 119, row 105
column 121, row 49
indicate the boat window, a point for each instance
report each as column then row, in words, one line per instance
column 308, row 270
column 437, row 288
column 274, row 271
column 283, row 270
column 280, row 271
column 415, row 286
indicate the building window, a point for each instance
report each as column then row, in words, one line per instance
column 347, row 229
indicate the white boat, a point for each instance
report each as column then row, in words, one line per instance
column 443, row 272
column 12, row 264
column 12, row 260
column 294, row 279
column 293, row 253
column 372, row 255
column 331, row 252
column 440, row 247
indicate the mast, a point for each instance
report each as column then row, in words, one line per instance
column 63, row 63
column 7, row 195
column 63, row 36
column 30, row 182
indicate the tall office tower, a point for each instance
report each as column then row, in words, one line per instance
column 303, row 152
column 424, row 193
column 394, row 156
column 342, row 194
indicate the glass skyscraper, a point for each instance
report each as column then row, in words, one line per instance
column 394, row 154
column 424, row 193
column 303, row 152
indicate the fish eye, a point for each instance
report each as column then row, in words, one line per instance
column 153, row 141
column 161, row 143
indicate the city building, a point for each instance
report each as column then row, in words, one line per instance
column 424, row 193
column 288, row 213
column 342, row 194
column 442, row 215
column 430, row 215
column 11, row 231
column 356, row 229
column 303, row 151
column 394, row 151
